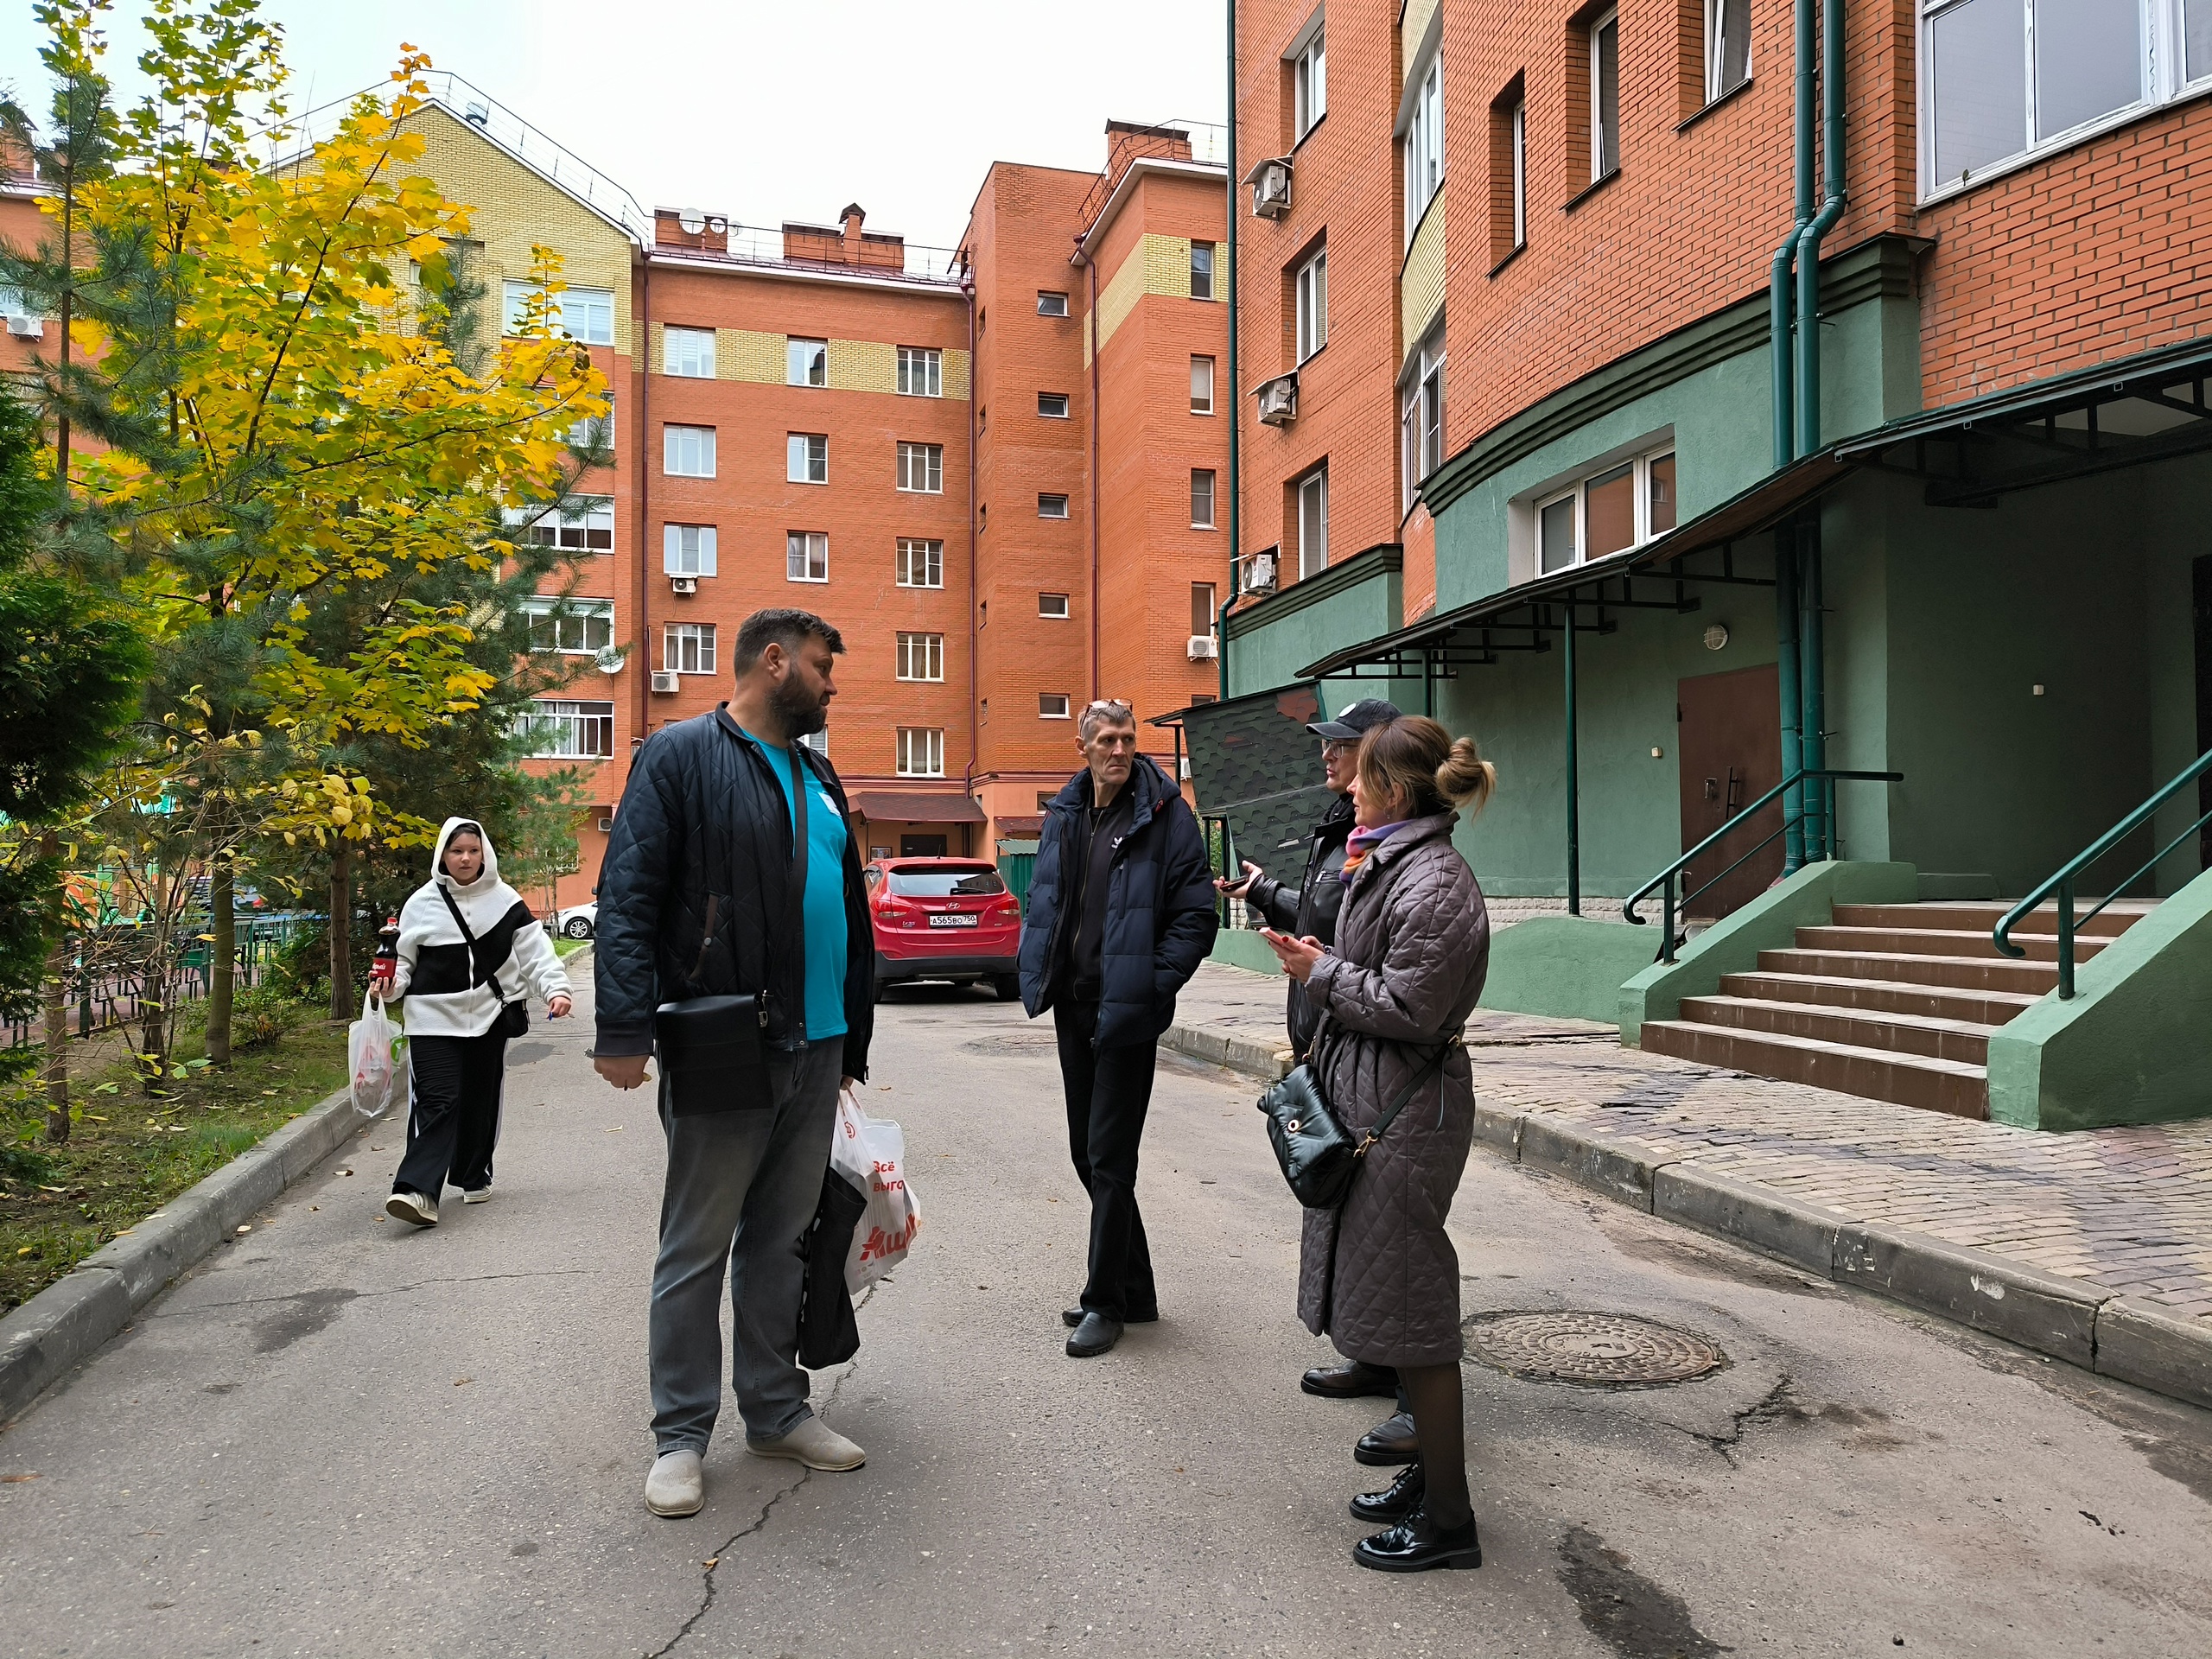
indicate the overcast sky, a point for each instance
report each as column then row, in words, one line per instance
column 763, row 113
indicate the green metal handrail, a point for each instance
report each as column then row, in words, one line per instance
column 2062, row 883
column 1665, row 879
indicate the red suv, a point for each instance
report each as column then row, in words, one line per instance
column 944, row 918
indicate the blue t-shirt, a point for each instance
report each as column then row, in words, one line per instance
column 825, row 893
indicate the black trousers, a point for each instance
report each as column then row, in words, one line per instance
column 454, row 1085
column 1109, row 1092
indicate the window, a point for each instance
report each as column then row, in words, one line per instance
column 1201, row 498
column 584, row 314
column 1201, row 608
column 1055, row 605
column 806, row 458
column 1420, row 416
column 2003, row 77
column 1313, row 523
column 688, row 352
column 1053, row 405
column 1202, row 386
column 1508, row 172
column 688, row 648
column 921, row 468
column 1424, row 145
column 806, row 362
column 1202, row 270
column 1309, row 83
column 806, row 556
column 1051, row 303
column 595, row 431
column 921, row 657
column 921, row 371
column 921, row 563
column 1044, row 798
column 1605, row 96
column 1622, row 506
column 1727, row 46
column 818, row 741
column 2197, row 44
column 1051, row 506
column 1518, row 137
column 687, row 550
column 921, row 752
column 1053, row 705
column 1313, row 305
column 585, row 524
column 559, row 730
column 572, row 627
column 688, row 451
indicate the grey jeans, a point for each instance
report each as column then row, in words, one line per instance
column 740, row 1189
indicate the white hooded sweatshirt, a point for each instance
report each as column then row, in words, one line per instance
column 453, row 989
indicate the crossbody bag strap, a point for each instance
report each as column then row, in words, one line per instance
column 1407, row 1093
column 469, row 940
column 801, row 774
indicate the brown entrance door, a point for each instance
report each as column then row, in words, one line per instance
column 1728, row 745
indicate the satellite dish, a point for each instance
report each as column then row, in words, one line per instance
column 718, row 225
column 692, row 220
column 609, row 659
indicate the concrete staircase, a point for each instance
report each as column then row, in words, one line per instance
column 1892, row 1003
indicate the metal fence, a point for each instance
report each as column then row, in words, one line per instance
column 103, row 998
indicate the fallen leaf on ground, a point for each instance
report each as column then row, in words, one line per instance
column 712, row 1561
column 463, row 1382
column 617, row 1129
column 13, row 1480
column 246, row 1227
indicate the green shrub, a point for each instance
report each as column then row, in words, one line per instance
column 262, row 1014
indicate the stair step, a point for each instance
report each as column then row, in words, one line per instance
column 1901, row 1033
column 2122, row 914
column 1993, row 974
column 1942, row 942
column 1918, row 1080
column 1880, row 996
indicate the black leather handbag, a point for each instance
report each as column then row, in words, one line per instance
column 1317, row 1154
column 828, row 1334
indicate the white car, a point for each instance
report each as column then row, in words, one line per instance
column 578, row 921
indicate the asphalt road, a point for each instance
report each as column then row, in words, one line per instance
column 338, row 1437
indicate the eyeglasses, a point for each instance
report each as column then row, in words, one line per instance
column 1112, row 708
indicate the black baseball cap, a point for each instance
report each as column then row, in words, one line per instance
column 1353, row 723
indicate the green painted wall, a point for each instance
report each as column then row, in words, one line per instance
column 1271, row 654
column 1242, row 947
column 1565, row 968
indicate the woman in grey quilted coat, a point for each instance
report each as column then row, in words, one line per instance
column 1379, row 1276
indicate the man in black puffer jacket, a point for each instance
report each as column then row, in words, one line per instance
column 1121, row 915
column 697, row 898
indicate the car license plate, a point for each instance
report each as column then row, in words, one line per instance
column 947, row 920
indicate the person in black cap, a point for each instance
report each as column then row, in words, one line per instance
column 1310, row 909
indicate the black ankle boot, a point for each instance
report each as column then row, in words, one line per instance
column 1395, row 1502
column 1417, row 1543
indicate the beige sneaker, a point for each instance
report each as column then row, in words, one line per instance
column 677, row 1486
column 813, row 1443
column 414, row 1207
column 479, row 1195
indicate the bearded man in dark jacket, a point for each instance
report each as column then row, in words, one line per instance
column 1121, row 915
column 711, row 887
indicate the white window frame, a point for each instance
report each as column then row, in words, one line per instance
column 1312, row 287
column 1202, row 258
column 922, row 554
column 687, row 550
column 1424, row 144
column 686, row 647
column 582, row 313
column 806, row 556
column 921, row 371
column 2164, row 78
column 578, row 728
column 805, row 359
column 1313, row 486
column 920, row 751
column 691, row 444
column 1048, row 501
column 1579, row 492
column 1717, row 42
column 1213, row 485
column 1309, row 81
column 1201, row 384
column 1059, row 414
column 806, row 458
column 919, row 657
column 1605, row 19
column 1052, row 303
column 585, row 524
column 1206, row 610
column 1420, row 416
column 580, row 613
column 687, row 353
column 1045, row 710
column 1520, row 141
column 1044, row 603
column 922, row 461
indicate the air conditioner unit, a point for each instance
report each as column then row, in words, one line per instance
column 1278, row 400
column 605, row 825
column 1260, row 573
column 26, row 327
column 667, row 681
column 1203, row 648
column 684, row 584
column 1186, row 769
column 1271, row 182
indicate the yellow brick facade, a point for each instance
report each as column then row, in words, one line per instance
column 1157, row 264
column 863, row 366
column 1413, row 25
column 748, row 355
column 1420, row 285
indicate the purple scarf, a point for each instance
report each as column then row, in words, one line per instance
column 1364, row 842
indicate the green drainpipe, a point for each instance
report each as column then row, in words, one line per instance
column 1812, row 744
column 1808, row 375
column 1236, row 405
column 1778, row 297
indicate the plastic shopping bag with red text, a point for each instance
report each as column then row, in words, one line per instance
column 871, row 1153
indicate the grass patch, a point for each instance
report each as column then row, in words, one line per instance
column 129, row 1152
column 569, row 947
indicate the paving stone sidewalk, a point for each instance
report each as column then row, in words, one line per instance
column 2128, row 1211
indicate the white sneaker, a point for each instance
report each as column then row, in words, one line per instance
column 813, row 1443
column 481, row 1195
column 412, row 1206
column 676, row 1485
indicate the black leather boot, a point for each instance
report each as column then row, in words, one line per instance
column 1355, row 1379
column 1417, row 1543
column 1395, row 1501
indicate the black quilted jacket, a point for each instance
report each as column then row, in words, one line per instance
column 1309, row 907
column 695, row 893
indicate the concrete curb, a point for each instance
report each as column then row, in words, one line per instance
column 2049, row 1313
column 64, row 1323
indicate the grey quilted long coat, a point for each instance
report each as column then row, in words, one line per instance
column 1380, row 1276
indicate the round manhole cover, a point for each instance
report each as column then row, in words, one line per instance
column 1595, row 1350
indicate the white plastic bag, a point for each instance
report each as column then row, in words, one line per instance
column 871, row 1153
column 372, row 1049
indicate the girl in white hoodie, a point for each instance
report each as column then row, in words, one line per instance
column 469, row 952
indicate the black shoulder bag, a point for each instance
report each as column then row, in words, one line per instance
column 514, row 1017
column 1318, row 1153
column 709, row 1046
